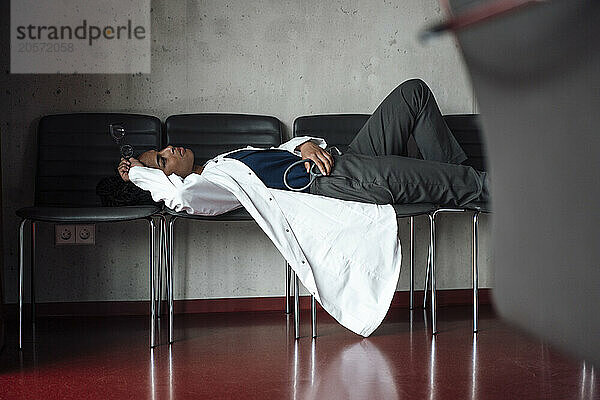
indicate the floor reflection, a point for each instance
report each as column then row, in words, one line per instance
column 474, row 368
column 242, row 355
column 152, row 375
column 296, row 369
column 432, row 382
column 587, row 381
column 171, row 372
column 358, row 371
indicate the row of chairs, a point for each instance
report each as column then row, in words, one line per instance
column 75, row 151
column 339, row 130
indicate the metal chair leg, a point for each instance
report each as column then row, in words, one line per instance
column 21, row 228
column 428, row 271
column 152, row 283
column 432, row 272
column 292, row 275
column 296, row 306
column 313, row 314
column 170, row 277
column 475, row 271
column 287, row 287
column 427, row 277
column 32, row 275
column 412, row 263
column 160, row 270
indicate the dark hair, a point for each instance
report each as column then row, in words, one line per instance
column 115, row 192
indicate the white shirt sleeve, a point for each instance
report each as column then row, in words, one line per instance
column 291, row 144
column 194, row 194
column 158, row 184
column 203, row 197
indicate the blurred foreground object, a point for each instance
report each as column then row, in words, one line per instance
column 474, row 15
column 536, row 75
column 2, row 325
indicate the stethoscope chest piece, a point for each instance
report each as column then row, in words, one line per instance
column 118, row 134
column 313, row 171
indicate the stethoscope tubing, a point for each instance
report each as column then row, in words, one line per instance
column 312, row 173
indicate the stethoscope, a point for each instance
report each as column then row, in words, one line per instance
column 313, row 171
column 118, row 134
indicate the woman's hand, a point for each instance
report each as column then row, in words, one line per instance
column 125, row 165
column 323, row 159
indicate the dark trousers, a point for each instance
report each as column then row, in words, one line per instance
column 377, row 169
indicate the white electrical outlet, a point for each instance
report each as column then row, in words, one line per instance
column 64, row 234
column 85, row 234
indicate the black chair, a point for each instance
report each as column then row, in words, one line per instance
column 74, row 152
column 208, row 135
column 339, row 130
column 466, row 129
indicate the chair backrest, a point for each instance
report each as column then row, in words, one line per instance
column 75, row 151
column 211, row 134
column 466, row 129
column 339, row 130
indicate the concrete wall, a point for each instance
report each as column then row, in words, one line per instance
column 284, row 58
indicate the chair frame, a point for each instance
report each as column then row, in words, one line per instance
column 154, row 275
column 429, row 275
column 169, row 223
column 156, row 133
column 170, row 234
column 313, row 306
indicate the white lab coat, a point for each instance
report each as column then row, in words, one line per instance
column 346, row 253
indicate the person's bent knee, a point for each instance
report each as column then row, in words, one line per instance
column 413, row 85
column 411, row 89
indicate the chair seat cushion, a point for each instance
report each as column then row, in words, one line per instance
column 481, row 207
column 239, row 214
column 402, row 210
column 411, row 210
column 87, row 214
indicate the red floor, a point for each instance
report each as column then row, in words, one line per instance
column 254, row 355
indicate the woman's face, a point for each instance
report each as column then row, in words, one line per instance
column 171, row 160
